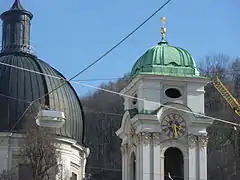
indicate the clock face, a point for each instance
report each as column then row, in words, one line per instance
column 174, row 126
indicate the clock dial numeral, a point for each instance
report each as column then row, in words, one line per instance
column 177, row 116
column 165, row 129
column 174, row 126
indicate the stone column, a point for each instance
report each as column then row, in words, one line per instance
column 202, row 141
column 156, row 156
column 124, row 151
column 193, row 161
column 145, row 156
column 186, row 168
column 197, row 157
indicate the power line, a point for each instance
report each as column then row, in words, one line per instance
column 121, row 41
column 98, row 112
column 102, row 89
column 92, row 64
column 56, row 77
column 101, row 57
column 17, row 99
column 29, row 70
column 163, row 105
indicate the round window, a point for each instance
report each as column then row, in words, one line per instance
column 173, row 93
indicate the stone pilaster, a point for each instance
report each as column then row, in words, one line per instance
column 156, row 156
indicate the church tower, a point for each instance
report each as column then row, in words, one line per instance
column 16, row 29
column 163, row 132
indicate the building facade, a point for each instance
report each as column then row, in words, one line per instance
column 19, row 87
column 163, row 131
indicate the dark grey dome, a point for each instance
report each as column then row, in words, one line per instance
column 29, row 86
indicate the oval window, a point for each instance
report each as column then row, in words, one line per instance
column 173, row 93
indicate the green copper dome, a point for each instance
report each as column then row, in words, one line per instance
column 164, row 59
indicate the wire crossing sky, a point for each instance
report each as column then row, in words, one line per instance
column 70, row 35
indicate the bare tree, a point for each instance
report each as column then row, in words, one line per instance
column 6, row 175
column 227, row 69
column 40, row 152
column 39, row 148
column 100, row 131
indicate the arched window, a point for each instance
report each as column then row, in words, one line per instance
column 173, row 164
column 133, row 167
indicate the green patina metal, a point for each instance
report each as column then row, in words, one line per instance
column 164, row 59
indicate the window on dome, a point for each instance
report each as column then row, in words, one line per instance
column 173, row 93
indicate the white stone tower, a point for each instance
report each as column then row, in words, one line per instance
column 161, row 136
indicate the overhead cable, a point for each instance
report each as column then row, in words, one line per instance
column 93, row 63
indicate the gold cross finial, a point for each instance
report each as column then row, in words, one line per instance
column 163, row 29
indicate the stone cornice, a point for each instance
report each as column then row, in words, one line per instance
column 74, row 144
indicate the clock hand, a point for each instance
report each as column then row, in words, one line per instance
column 175, row 130
column 179, row 127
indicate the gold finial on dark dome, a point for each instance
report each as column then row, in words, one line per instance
column 163, row 29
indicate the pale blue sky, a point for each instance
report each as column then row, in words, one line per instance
column 70, row 34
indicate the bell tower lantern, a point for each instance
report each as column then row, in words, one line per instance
column 163, row 130
column 16, row 29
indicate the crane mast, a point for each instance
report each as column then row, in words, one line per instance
column 227, row 95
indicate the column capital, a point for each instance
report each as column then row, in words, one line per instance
column 201, row 140
column 145, row 137
column 156, row 139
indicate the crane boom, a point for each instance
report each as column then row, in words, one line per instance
column 227, row 95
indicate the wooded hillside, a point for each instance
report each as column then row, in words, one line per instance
column 103, row 113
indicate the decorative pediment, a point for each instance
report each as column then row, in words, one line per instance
column 125, row 120
column 127, row 131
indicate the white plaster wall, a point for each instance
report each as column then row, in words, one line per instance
column 125, row 164
column 192, row 163
column 73, row 157
column 157, row 162
column 140, row 103
column 195, row 97
column 152, row 93
column 3, row 158
column 203, row 163
column 145, row 173
column 153, row 97
column 6, row 149
column 152, row 89
column 131, row 89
